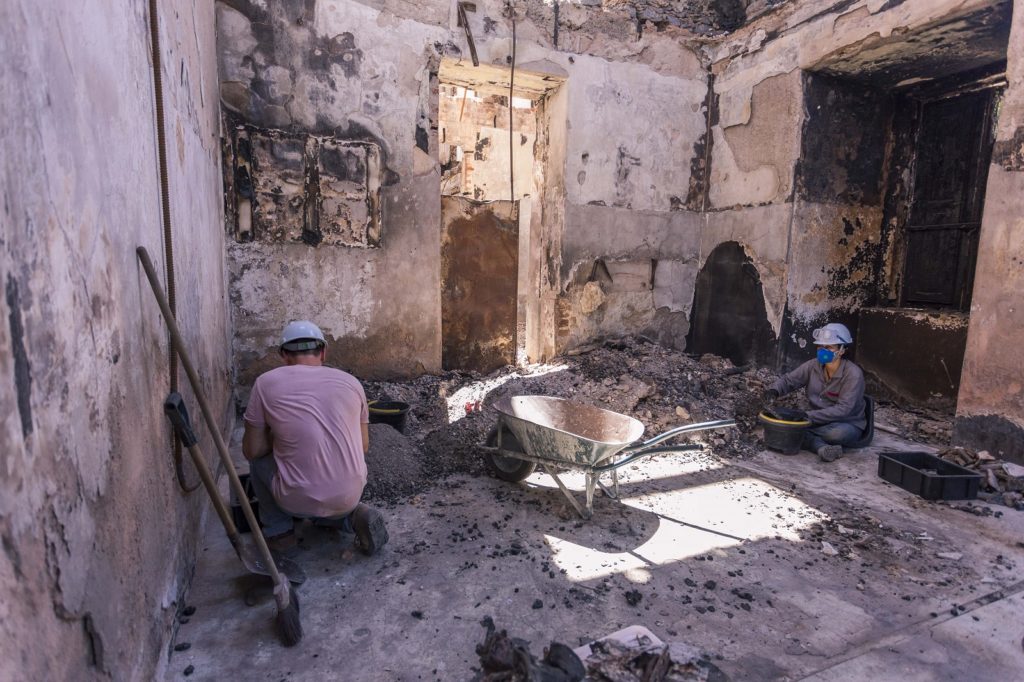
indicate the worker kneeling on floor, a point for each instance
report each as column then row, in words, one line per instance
column 835, row 390
column 306, row 437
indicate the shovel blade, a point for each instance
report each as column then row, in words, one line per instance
column 254, row 563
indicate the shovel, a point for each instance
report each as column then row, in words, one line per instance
column 288, row 624
column 174, row 408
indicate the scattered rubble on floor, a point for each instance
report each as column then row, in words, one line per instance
column 1001, row 483
column 508, row 659
column 919, row 424
column 613, row 661
column 661, row 387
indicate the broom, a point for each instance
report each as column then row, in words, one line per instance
column 289, row 626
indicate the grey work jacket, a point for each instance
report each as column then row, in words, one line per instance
column 841, row 399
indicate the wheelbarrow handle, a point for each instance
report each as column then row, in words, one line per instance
column 689, row 447
column 679, row 430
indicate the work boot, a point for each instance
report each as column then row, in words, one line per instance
column 830, row 453
column 282, row 543
column 368, row 524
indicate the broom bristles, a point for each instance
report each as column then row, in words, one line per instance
column 289, row 627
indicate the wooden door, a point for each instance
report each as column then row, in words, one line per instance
column 953, row 150
column 479, row 271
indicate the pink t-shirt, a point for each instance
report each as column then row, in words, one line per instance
column 315, row 416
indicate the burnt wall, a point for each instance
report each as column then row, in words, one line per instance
column 98, row 541
column 990, row 408
column 333, row 201
column 608, row 141
column 912, row 355
column 837, row 215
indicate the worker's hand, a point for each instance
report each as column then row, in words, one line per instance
column 768, row 398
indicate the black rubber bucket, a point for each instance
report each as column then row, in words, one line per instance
column 390, row 412
column 784, row 429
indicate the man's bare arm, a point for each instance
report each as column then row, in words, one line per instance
column 366, row 437
column 256, row 442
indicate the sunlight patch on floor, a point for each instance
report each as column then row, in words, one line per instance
column 689, row 522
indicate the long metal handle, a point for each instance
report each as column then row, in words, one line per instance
column 204, row 406
column 679, row 430
column 649, row 451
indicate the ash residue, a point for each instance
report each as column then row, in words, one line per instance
column 392, row 464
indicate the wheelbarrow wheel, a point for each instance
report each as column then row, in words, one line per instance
column 510, row 469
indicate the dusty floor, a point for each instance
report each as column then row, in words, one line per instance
column 776, row 567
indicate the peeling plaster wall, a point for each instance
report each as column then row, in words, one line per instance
column 990, row 407
column 807, row 206
column 612, row 137
column 98, row 541
column 350, row 71
column 629, row 128
column 637, row 154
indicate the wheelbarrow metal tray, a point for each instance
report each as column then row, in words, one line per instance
column 928, row 476
column 565, row 432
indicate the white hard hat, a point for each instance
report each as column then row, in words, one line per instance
column 832, row 334
column 302, row 335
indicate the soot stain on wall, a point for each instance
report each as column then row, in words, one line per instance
column 1009, row 154
column 991, row 432
column 855, row 277
column 843, row 142
column 700, row 162
column 22, row 368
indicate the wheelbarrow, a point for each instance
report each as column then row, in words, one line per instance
column 560, row 434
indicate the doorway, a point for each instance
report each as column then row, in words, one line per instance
column 479, row 269
column 953, row 149
column 493, row 132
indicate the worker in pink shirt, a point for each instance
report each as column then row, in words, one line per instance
column 306, row 437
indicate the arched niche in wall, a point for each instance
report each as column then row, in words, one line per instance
column 728, row 317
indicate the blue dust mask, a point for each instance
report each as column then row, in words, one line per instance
column 826, row 356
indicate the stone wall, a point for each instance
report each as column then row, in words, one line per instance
column 990, row 408
column 98, row 541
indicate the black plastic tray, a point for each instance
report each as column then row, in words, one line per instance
column 927, row 476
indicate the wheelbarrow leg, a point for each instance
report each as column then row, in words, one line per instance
column 592, row 480
column 614, row 492
column 585, row 513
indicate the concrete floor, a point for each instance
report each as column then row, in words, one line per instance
column 726, row 556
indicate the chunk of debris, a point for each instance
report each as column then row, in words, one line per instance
column 505, row 658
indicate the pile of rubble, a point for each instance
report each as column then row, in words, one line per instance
column 919, row 424
column 1001, row 483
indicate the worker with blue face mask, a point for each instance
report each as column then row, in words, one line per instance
column 835, row 389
